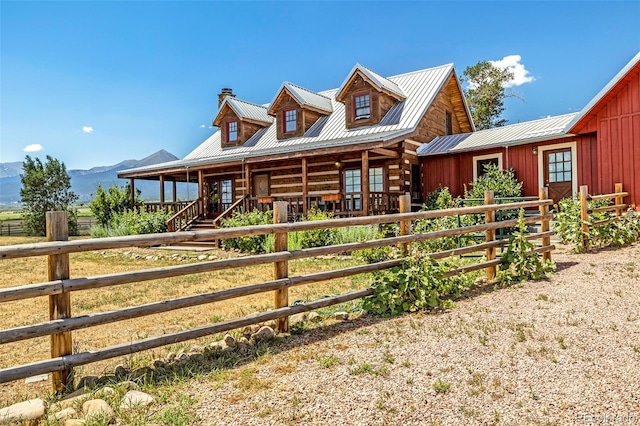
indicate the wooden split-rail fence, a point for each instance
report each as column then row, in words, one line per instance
column 60, row 286
column 618, row 206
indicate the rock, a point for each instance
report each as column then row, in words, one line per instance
column 341, row 316
column 224, row 347
column 196, row 357
column 214, row 347
column 149, row 257
column 129, row 385
column 212, row 257
column 120, row 371
column 183, row 357
column 196, row 348
column 297, row 318
column 202, row 257
column 271, row 324
column 171, row 356
column 142, row 372
column 32, row 409
column 314, row 317
column 61, row 416
column 229, row 340
column 135, row 399
column 106, row 392
column 73, row 422
column 70, row 400
column 98, row 408
column 265, row 333
column 87, row 382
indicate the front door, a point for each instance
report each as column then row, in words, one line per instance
column 558, row 173
column 220, row 196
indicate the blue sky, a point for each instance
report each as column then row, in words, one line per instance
column 95, row 83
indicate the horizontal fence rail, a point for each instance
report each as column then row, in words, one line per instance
column 618, row 207
column 60, row 286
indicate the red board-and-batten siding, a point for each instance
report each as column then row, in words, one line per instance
column 456, row 170
column 616, row 121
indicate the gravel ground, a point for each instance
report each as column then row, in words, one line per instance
column 563, row 351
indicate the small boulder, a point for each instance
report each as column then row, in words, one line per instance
column 98, row 408
column 62, row 415
column 106, row 392
column 341, row 316
column 73, row 422
column 314, row 317
column 29, row 410
column 87, row 382
column 196, row 357
column 135, row 399
column 129, row 385
column 265, row 333
column 120, row 371
column 297, row 318
column 196, row 348
column 202, row 257
column 214, row 347
column 183, row 357
column 229, row 340
column 171, row 356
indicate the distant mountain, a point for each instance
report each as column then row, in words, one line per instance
column 85, row 182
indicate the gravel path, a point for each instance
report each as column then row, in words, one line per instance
column 564, row 351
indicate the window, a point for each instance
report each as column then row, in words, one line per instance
column 376, row 179
column 352, row 188
column 448, row 123
column 362, row 106
column 416, row 194
column 290, row 120
column 559, row 166
column 232, row 131
column 481, row 161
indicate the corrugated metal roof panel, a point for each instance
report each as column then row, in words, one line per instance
column 421, row 88
column 248, row 110
column 307, row 97
column 500, row 136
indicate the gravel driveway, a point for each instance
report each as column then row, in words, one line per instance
column 563, row 351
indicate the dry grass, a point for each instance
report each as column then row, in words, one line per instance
column 32, row 270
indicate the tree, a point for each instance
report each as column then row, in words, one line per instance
column 485, row 93
column 46, row 187
column 107, row 204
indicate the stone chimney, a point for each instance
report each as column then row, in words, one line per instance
column 223, row 94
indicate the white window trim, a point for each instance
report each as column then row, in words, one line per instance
column 574, row 163
column 497, row 155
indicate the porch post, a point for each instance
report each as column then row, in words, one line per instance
column 201, row 191
column 365, row 182
column 305, row 186
column 247, row 186
column 174, row 191
column 161, row 191
column 132, row 193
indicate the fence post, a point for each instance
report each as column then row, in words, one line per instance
column 619, row 199
column 544, row 223
column 490, row 235
column 59, row 304
column 405, row 225
column 281, row 269
column 584, row 216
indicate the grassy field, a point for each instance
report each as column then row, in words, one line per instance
column 33, row 270
column 17, row 214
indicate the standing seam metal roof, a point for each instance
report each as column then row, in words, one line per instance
column 529, row 131
column 421, row 88
column 380, row 81
column 306, row 97
column 246, row 109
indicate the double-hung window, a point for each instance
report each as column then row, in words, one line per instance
column 232, row 131
column 362, row 105
column 376, row 179
column 290, row 120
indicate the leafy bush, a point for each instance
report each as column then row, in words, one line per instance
column 567, row 226
column 420, row 283
column 132, row 223
column 111, row 202
column 439, row 199
column 355, row 234
column 317, row 237
column 519, row 262
column 254, row 244
column 503, row 183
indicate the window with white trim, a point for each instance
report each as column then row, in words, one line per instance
column 362, row 105
column 482, row 161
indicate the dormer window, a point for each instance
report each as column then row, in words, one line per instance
column 362, row 105
column 232, row 131
column 290, row 120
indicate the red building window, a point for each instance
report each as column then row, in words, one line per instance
column 232, row 131
column 290, row 120
column 362, row 105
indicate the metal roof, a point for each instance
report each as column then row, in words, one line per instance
column 601, row 94
column 306, row 97
column 382, row 83
column 514, row 134
column 421, row 88
column 244, row 109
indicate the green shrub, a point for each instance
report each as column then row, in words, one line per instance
column 253, row 244
column 317, row 237
column 503, row 183
column 132, row 223
column 111, row 202
column 354, row 234
column 519, row 262
column 439, row 199
column 567, row 225
column 420, row 283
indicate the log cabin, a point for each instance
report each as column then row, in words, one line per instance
column 350, row 150
column 598, row 147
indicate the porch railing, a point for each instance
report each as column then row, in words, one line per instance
column 191, row 212
column 229, row 210
column 171, row 206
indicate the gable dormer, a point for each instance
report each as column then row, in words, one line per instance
column 238, row 120
column 296, row 109
column 367, row 97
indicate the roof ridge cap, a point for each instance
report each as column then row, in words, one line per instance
column 246, row 102
column 304, row 88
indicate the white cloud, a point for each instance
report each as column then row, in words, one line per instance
column 202, row 126
column 520, row 73
column 87, row 129
column 34, row 147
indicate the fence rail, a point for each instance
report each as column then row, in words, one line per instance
column 60, row 286
column 618, row 207
column 15, row 228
